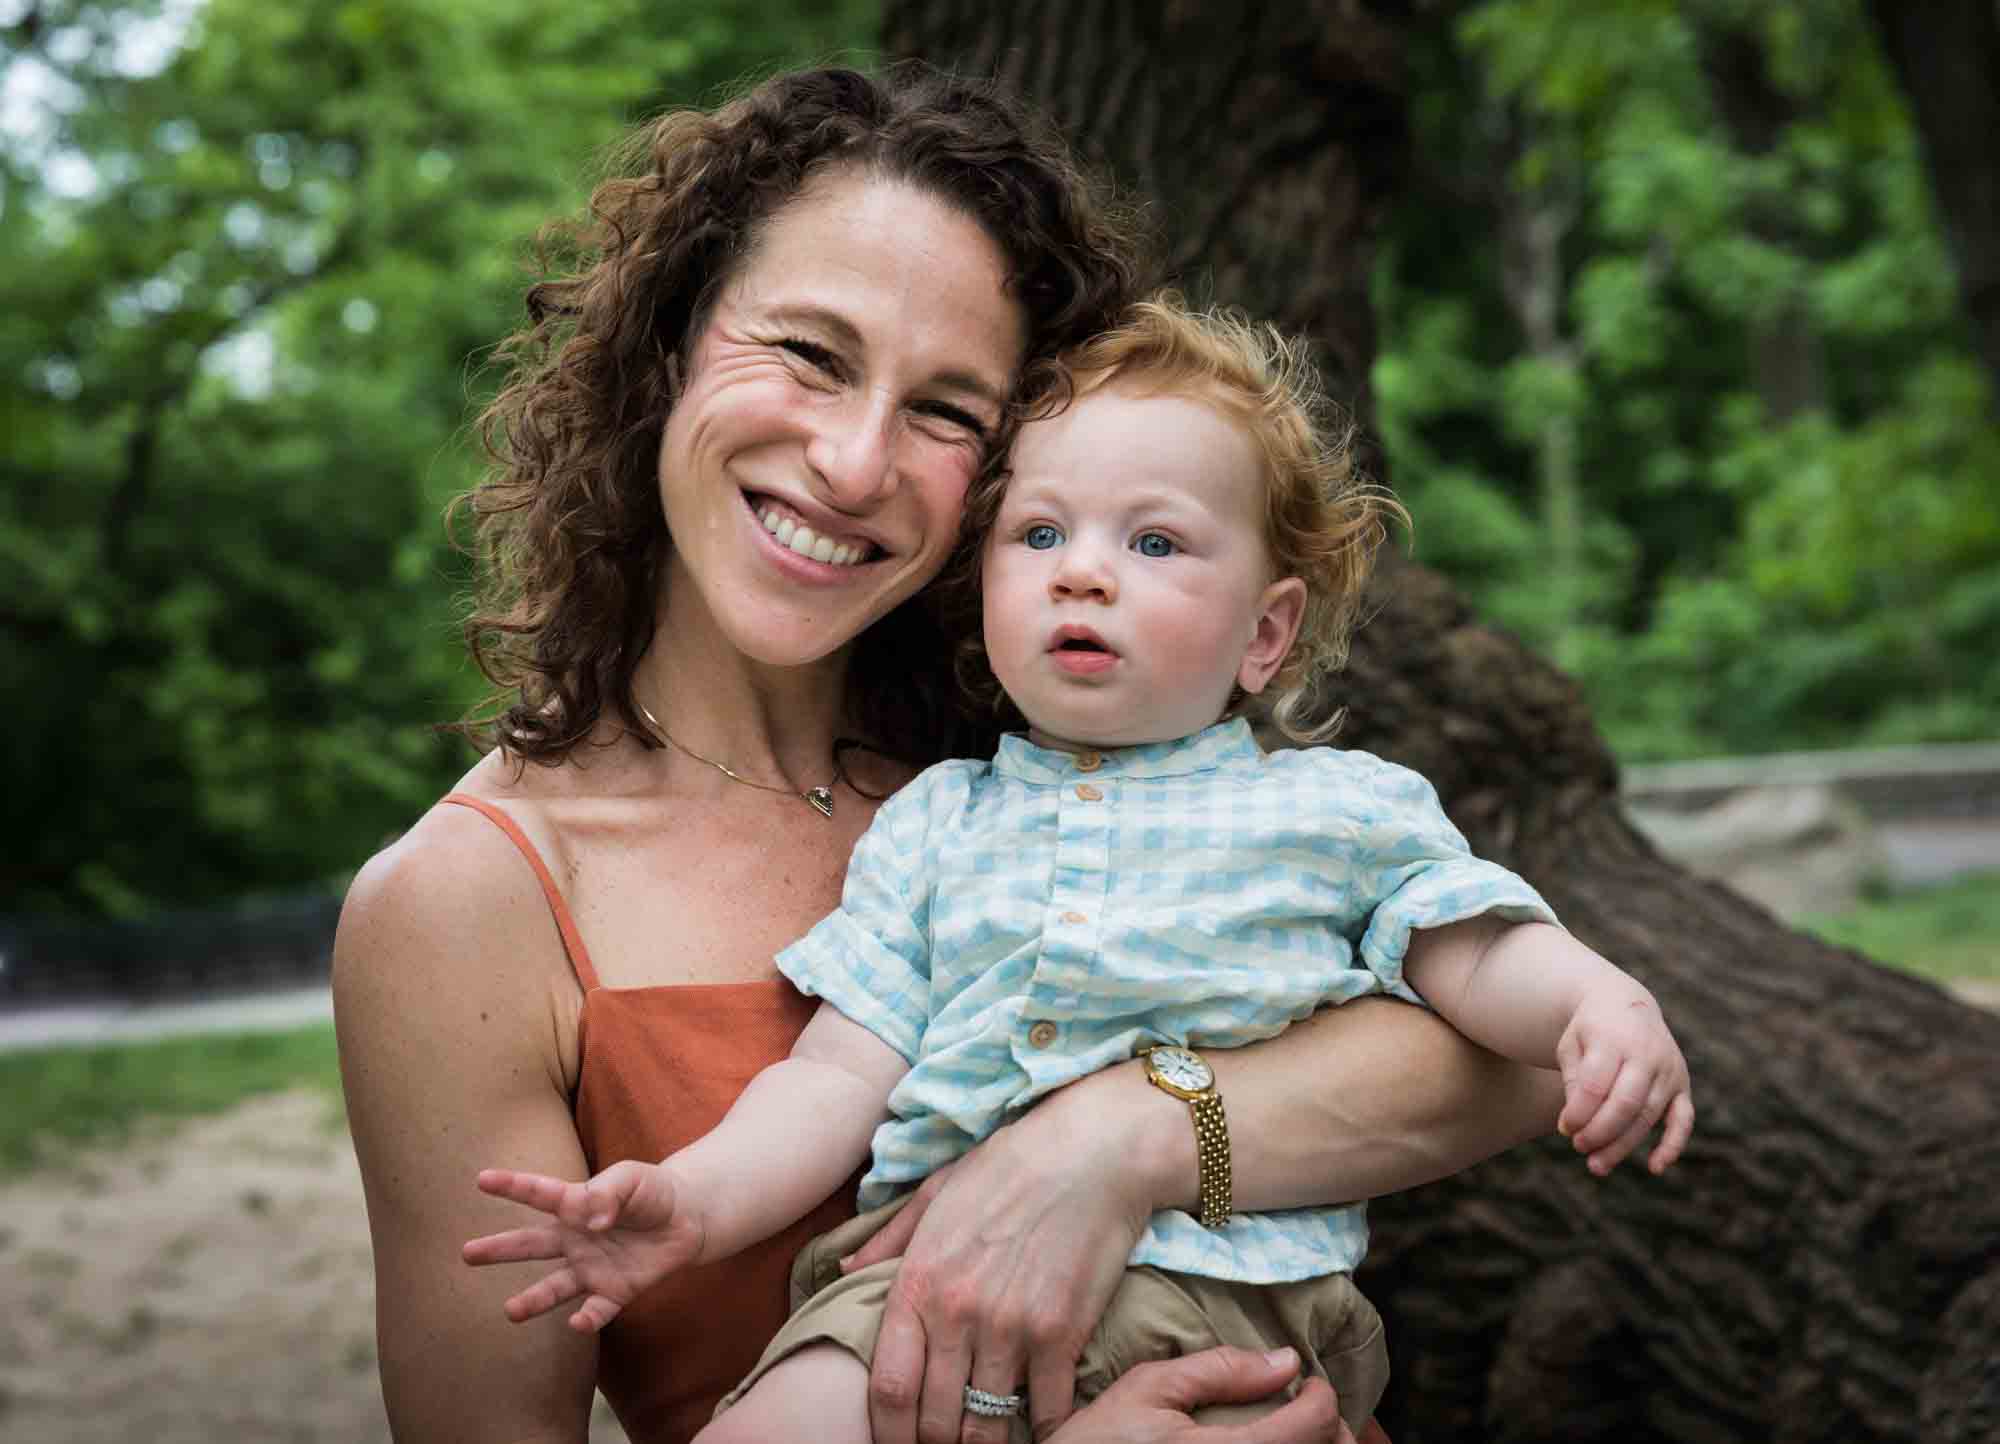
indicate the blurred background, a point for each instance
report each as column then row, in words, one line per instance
column 1675, row 373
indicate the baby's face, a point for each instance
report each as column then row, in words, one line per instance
column 1127, row 584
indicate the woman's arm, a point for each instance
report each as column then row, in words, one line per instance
column 1011, row 1255
column 1373, row 1097
column 448, row 976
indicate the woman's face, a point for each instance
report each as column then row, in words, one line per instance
column 838, row 404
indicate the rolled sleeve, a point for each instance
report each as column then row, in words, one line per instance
column 870, row 958
column 1423, row 875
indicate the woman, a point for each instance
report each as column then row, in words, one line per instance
column 733, row 458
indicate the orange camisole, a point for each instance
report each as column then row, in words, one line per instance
column 658, row 1067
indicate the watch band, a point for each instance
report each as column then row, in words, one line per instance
column 1211, row 1141
column 1211, row 1130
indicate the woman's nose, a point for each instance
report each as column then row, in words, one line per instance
column 853, row 452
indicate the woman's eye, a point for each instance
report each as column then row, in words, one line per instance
column 1041, row 538
column 1152, row 544
column 957, row 416
column 810, row 352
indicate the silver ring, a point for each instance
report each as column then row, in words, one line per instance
column 992, row 1406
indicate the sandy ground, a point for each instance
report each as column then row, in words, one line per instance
column 212, row 1283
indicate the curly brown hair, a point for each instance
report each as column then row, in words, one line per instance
column 568, row 523
column 1323, row 521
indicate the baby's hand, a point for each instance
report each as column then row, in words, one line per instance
column 616, row 1235
column 1622, row 1073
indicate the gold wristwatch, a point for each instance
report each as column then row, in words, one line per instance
column 1186, row 1074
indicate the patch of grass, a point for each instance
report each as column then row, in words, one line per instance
column 1944, row 932
column 62, row 1096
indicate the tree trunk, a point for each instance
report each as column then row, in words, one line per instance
column 1825, row 1262
column 1946, row 53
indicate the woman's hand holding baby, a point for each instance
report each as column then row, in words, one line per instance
column 617, row 1235
column 1622, row 1074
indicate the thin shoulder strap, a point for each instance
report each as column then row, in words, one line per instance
column 579, row 955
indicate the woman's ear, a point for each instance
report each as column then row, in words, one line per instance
column 1279, row 612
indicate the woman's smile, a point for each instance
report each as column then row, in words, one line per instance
column 798, row 534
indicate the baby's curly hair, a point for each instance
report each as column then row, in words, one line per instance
column 568, row 527
column 1324, row 522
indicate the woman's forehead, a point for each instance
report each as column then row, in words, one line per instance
column 882, row 263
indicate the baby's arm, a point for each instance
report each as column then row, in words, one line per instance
column 1534, row 993
column 790, row 1139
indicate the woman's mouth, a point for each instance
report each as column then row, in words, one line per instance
column 797, row 536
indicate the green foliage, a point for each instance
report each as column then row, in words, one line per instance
column 102, row 1092
column 255, row 256
column 1786, row 448
column 251, row 267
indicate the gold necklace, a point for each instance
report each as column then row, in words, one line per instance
column 821, row 798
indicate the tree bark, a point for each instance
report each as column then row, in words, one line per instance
column 1825, row 1262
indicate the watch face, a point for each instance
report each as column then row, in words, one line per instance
column 1182, row 1068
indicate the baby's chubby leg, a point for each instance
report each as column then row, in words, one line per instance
column 819, row 1393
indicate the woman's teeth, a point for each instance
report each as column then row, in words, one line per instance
column 807, row 543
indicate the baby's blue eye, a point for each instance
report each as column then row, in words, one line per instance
column 1152, row 544
column 1041, row 538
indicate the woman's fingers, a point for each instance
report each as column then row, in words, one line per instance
column 896, row 1377
column 1051, row 1389
column 941, row 1411
column 998, row 1374
column 1152, row 1403
column 893, row 1237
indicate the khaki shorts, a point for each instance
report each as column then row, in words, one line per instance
column 1154, row 1314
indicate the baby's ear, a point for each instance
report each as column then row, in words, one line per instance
column 1280, row 611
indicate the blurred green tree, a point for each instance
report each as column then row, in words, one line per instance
column 1707, row 424
column 253, row 255
column 1673, row 370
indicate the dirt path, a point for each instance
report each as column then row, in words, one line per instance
column 210, row 1284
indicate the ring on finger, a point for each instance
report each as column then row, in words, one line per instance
column 993, row 1406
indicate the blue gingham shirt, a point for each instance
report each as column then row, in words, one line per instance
column 1011, row 926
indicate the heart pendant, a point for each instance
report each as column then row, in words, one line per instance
column 821, row 798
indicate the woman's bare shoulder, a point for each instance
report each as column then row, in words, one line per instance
column 451, row 907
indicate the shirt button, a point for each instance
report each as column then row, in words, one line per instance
column 1074, row 918
column 1089, row 761
column 1042, row 1034
column 1088, row 793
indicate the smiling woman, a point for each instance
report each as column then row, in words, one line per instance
column 730, row 464
column 848, row 382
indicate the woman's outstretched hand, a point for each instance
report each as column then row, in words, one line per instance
column 1155, row 1403
column 617, row 1235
